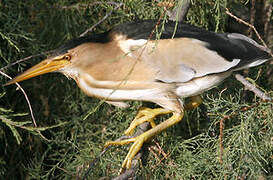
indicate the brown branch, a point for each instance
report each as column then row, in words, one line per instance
column 159, row 150
column 179, row 13
column 247, row 24
column 165, row 3
column 251, row 26
column 221, row 141
column 130, row 173
column 252, row 88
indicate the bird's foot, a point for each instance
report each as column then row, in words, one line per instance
column 145, row 115
column 139, row 140
column 193, row 102
column 134, row 149
column 148, row 114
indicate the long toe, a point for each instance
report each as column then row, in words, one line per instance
column 145, row 115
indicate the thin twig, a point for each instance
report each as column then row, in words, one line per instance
column 165, row 3
column 100, row 21
column 26, row 97
column 29, row 106
column 247, row 24
column 159, row 149
column 26, row 58
column 252, row 88
column 251, row 26
column 221, row 140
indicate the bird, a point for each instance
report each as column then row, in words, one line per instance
column 162, row 62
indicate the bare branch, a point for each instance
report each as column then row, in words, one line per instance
column 221, row 141
column 252, row 88
column 129, row 172
column 179, row 12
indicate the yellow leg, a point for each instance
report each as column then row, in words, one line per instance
column 145, row 115
column 148, row 115
column 194, row 102
column 139, row 140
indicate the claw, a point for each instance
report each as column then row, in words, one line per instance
column 145, row 115
column 137, row 144
column 139, row 140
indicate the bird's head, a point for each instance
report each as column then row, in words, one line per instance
column 64, row 59
column 52, row 64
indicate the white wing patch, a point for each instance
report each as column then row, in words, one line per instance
column 129, row 45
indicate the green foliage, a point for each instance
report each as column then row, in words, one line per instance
column 72, row 127
column 208, row 14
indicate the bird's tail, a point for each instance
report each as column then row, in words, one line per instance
column 256, row 54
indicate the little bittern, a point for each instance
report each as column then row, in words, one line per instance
column 147, row 61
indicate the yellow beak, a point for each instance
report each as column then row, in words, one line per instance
column 43, row 67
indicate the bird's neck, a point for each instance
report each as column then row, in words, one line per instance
column 70, row 72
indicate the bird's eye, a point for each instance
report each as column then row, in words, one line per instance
column 67, row 57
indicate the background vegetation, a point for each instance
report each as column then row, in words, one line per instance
column 72, row 127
